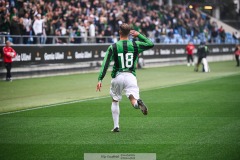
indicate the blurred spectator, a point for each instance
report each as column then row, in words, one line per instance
column 63, row 30
column 92, row 33
column 55, row 22
column 14, row 12
column 77, row 33
column 144, row 29
column 214, row 35
column 222, row 34
column 58, row 38
column 163, row 30
column 15, row 30
column 214, row 32
column 157, row 34
column 170, row 33
column 100, row 38
column 236, row 36
column 205, row 34
column 83, row 32
column 5, row 23
column 21, row 26
column 108, row 33
column 94, row 16
column 71, row 34
column 49, row 28
column 38, row 28
column 115, row 39
column 27, row 23
column 181, row 27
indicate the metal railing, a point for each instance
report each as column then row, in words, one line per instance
column 43, row 39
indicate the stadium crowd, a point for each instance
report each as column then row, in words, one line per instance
column 81, row 21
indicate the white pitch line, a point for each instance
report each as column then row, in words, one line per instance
column 53, row 105
column 97, row 98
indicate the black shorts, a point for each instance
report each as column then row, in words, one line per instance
column 199, row 60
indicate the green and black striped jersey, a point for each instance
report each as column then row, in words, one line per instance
column 124, row 53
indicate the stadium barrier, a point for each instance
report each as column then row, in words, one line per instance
column 88, row 57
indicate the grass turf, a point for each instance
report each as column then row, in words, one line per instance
column 191, row 121
column 28, row 93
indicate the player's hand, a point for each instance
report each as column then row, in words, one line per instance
column 99, row 85
column 13, row 55
column 134, row 33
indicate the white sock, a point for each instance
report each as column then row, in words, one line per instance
column 136, row 105
column 115, row 113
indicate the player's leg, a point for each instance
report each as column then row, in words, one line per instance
column 138, row 104
column 191, row 58
column 237, row 59
column 205, row 65
column 116, row 93
column 133, row 101
column 6, row 66
column 115, row 115
column 188, row 60
column 198, row 63
column 8, row 74
column 132, row 92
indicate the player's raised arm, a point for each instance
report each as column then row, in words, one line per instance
column 144, row 42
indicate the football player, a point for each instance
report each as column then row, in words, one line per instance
column 124, row 53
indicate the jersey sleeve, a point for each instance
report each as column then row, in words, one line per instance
column 207, row 50
column 14, row 51
column 6, row 52
column 144, row 43
column 105, row 64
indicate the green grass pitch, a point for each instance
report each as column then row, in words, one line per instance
column 191, row 116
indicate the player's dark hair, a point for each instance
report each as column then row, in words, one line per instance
column 125, row 29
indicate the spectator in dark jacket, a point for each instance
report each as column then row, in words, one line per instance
column 214, row 35
column 222, row 34
column 108, row 33
column 15, row 30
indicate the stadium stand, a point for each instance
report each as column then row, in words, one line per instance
column 98, row 21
